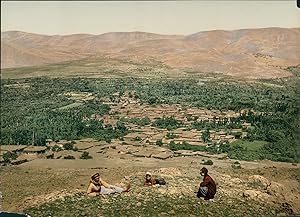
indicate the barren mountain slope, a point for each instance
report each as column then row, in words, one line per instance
column 252, row 53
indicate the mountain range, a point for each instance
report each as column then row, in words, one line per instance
column 253, row 53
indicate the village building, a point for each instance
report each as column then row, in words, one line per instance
column 35, row 150
column 12, row 148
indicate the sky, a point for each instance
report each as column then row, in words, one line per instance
column 164, row 17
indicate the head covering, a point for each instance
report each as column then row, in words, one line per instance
column 148, row 173
column 204, row 170
column 95, row 176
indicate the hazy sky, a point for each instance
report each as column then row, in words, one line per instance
column 167, row 17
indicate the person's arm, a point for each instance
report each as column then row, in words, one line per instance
column 91, row 191
column 147, row 183
column 205, row 182
column 105, row 184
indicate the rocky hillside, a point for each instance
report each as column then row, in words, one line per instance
column 249, row 196
column 253, row 52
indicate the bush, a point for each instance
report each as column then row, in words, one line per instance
column 159, row 142
column 236, row 166
column 86, row 155
column 206, row 136
column 140, row 121
column 69, row 157
column 8, row 156
column 208, row 162
column 56, row 148
column 137, row 138
column 185, row 146
column 171, row 136
column 68, row 146
column 169, row 123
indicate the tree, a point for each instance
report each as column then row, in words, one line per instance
column 8, row 156
column 68, row 146
column 159, row 142
column 69, row 157
column 206, row 136
column 85, row 155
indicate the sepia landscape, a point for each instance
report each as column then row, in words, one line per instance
column 124, row 103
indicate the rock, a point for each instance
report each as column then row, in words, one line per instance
column 172, row 212
column 138, row 204
column 234, row 182
column 276, row 189
column 250, row 194
column 143, row 153
column 162, row 156
column 288, row 207
column 209, row 213
column 257, row 195
column 259, row 180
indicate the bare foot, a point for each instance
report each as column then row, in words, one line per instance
column 127, row 188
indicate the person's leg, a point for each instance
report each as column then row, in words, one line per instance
column 199, row 194
column 113, row 190
column 202, row 192
column 106, row 190
column 118, row 189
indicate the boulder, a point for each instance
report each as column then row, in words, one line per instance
column 259, row 181
column 144, row 153
column 233, row 182
column 256, row 195
column 276, row 189
column 162, row 156
column 252, row 194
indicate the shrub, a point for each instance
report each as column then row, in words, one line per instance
column 236, row 166
column 51, row 156
column 185, row 146
column 159, row 142
column 8, row 156
column 69, row 157
column 206, row 136
column 68, row 146
column 208, row 162
column 171, row 136
column 140, row 121
column 169, row 123
column 56, row 148
column 137, row 138
column 86, row 155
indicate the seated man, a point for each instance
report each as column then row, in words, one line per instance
column 207, row 188
column 149, row 180
column 97, row 186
